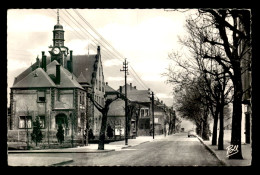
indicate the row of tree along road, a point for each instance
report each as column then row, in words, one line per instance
column 207, row 75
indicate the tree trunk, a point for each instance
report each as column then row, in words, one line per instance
column 101, row 143
column 221, row 128
column 205, row 128
column 237, row 115
column 215, row 128
column 136, row 126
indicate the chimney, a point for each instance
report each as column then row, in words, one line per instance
column 120, row 89
column 58, row 74
column 69, row 66
column 130, row 86
column 37, row 62
column 98, row 50
column 70, row 63
column 43, row 61
column 44, row 67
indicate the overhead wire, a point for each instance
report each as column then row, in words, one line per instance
column 118, row 53
column 113, row 52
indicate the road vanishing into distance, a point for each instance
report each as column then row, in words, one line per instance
column 173, row 150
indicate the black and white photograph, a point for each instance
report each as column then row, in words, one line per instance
column 129, row 87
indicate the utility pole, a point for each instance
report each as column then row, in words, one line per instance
column 125, row 69
column 48, row 128
column 153, row 112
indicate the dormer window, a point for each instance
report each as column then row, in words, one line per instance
column 41, row 96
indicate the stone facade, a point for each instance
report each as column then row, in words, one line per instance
column 25, row 102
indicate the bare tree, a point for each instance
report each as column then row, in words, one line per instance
column 104, row 110
column 233, row 28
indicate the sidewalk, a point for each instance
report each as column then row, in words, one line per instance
column 37, row 161
column 14, row 160
column 222, row 154
column 93, row 148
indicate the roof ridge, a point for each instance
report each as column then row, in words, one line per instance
column 72, row 78
column 26, row 83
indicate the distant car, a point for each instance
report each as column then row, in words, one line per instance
column 191, row 133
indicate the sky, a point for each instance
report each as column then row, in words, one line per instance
column 144, row 36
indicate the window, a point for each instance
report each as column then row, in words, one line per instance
column 41, row 96
column 146, row 112
column 58, row 94
column 25, row 120
column 79, row 121
column 99, row 85
column 142, row 113
column 42, row 121
column 82, row 99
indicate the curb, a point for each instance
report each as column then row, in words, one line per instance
column 212, row 152
column 134, row 145
column 95, row 151
column 60, row 151
column 62, row 163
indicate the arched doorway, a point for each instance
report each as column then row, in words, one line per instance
column 62, row 119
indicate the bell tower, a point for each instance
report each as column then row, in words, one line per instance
column 58, row 33
column 58, row 51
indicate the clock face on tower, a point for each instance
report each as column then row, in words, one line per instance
column 56, row 50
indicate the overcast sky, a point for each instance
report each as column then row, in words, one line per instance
column 144, row 36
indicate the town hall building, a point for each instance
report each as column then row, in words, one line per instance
column 55, row 88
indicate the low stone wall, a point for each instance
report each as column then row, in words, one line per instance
column 21, row 136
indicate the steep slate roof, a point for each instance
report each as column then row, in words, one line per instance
column 110, row 92
column 84, row 64
column 32, row 81
column 139, row 95
column 29, row 70
column 129, row 88
column 117, row 108
column 67, row 80
column 81, row 78
column 109, row 89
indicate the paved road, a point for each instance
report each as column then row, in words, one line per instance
column 174, row 150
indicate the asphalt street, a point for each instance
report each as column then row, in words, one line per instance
column 174, row 150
